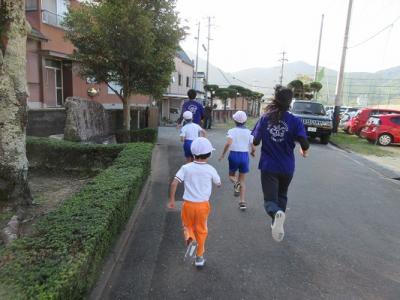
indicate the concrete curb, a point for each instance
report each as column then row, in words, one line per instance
column 120, row 245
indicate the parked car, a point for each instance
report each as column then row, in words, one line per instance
column 315, row 121
column 345, row 120
column 382, row 129
column 360, row 119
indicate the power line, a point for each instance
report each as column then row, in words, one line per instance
column 376, row 34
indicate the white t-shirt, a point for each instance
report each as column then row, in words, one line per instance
column 241, row 139
column 190, row 131
column 198, row 179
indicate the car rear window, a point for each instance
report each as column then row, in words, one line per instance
column 308, row 108
column 373, row 121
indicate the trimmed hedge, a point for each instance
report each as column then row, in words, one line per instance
column 63, row 258
column 45, row 153
column 148, row 135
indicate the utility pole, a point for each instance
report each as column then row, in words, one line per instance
column 283, row 59
column 208, row 48
column 319, row 49
column 197, row 58
column 339, row 84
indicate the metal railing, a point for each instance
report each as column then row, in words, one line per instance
column 51, row 18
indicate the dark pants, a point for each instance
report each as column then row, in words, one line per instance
column 207, row 123
column 275, row 188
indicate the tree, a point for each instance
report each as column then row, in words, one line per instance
column 13, row 103
column 297, row 86
column 129, row 43
column 212, row 89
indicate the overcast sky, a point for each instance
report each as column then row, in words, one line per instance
column 253, row 33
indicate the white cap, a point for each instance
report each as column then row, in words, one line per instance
column 240, row 116
column 187, row 115
column 201, row 146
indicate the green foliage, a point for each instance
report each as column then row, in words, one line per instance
column 148, row 135
column 211, row 87
column 45, row 153
column 63, row 258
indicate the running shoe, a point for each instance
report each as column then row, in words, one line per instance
column 278, row 232
column 236, row 188
column 242, row 205
column 199, row 261
column 191, row 249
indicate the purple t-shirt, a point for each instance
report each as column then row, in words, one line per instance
column 196, row 108
column 278, row 143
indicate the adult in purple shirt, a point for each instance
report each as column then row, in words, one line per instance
column 278, row 130
column 194, row 107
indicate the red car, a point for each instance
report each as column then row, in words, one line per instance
column 383, row 129
column 357, row 123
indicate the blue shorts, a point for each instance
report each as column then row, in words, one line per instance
column 239, row 161
column 186, row 148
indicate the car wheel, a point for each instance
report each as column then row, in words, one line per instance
column 385, row 139
column 350, row 131
column 325, row 139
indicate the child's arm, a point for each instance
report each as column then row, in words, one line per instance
column 203, row 133
column 226, row 148
column 253, row 150
column 172, row 192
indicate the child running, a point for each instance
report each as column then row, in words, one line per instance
column 239, row 142
column 278, row 130
column 189, row 132
column 197, row 177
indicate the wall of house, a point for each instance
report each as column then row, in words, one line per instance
column 33, row 71
column 80, row 89
column 185, row 71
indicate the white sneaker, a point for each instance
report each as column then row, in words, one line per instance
column 191, row 249
column 200, row 261
column 277, row 227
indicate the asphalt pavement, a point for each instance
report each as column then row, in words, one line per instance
column 342, row 235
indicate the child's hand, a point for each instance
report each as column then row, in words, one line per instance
column 253, row 153
column 221, row 157
column 171, row 204
column 303, row 153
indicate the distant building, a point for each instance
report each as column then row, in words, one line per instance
column 176, row 93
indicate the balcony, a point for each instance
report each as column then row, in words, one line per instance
column 51, row 18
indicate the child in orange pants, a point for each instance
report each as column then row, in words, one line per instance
column 197, row 177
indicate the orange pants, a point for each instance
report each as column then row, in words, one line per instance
column 194, row 220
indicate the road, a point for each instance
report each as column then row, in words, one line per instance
column 342, row 236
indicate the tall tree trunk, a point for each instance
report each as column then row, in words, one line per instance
column 127, row 114
column 13, row 103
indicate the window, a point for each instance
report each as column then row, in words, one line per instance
column 187, row 81
column 53, row 11
column 396, row 120
column 31, row 5
column 115, row 86
column 179, row 79
column 55, row 80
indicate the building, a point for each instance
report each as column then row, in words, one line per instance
column 181, row 82
column 52, row 76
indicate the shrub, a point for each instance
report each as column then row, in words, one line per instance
column 148, row 135
column 45, row 153
column 63, row 257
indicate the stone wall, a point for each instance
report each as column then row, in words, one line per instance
column 86, row 120
column 46, row 122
